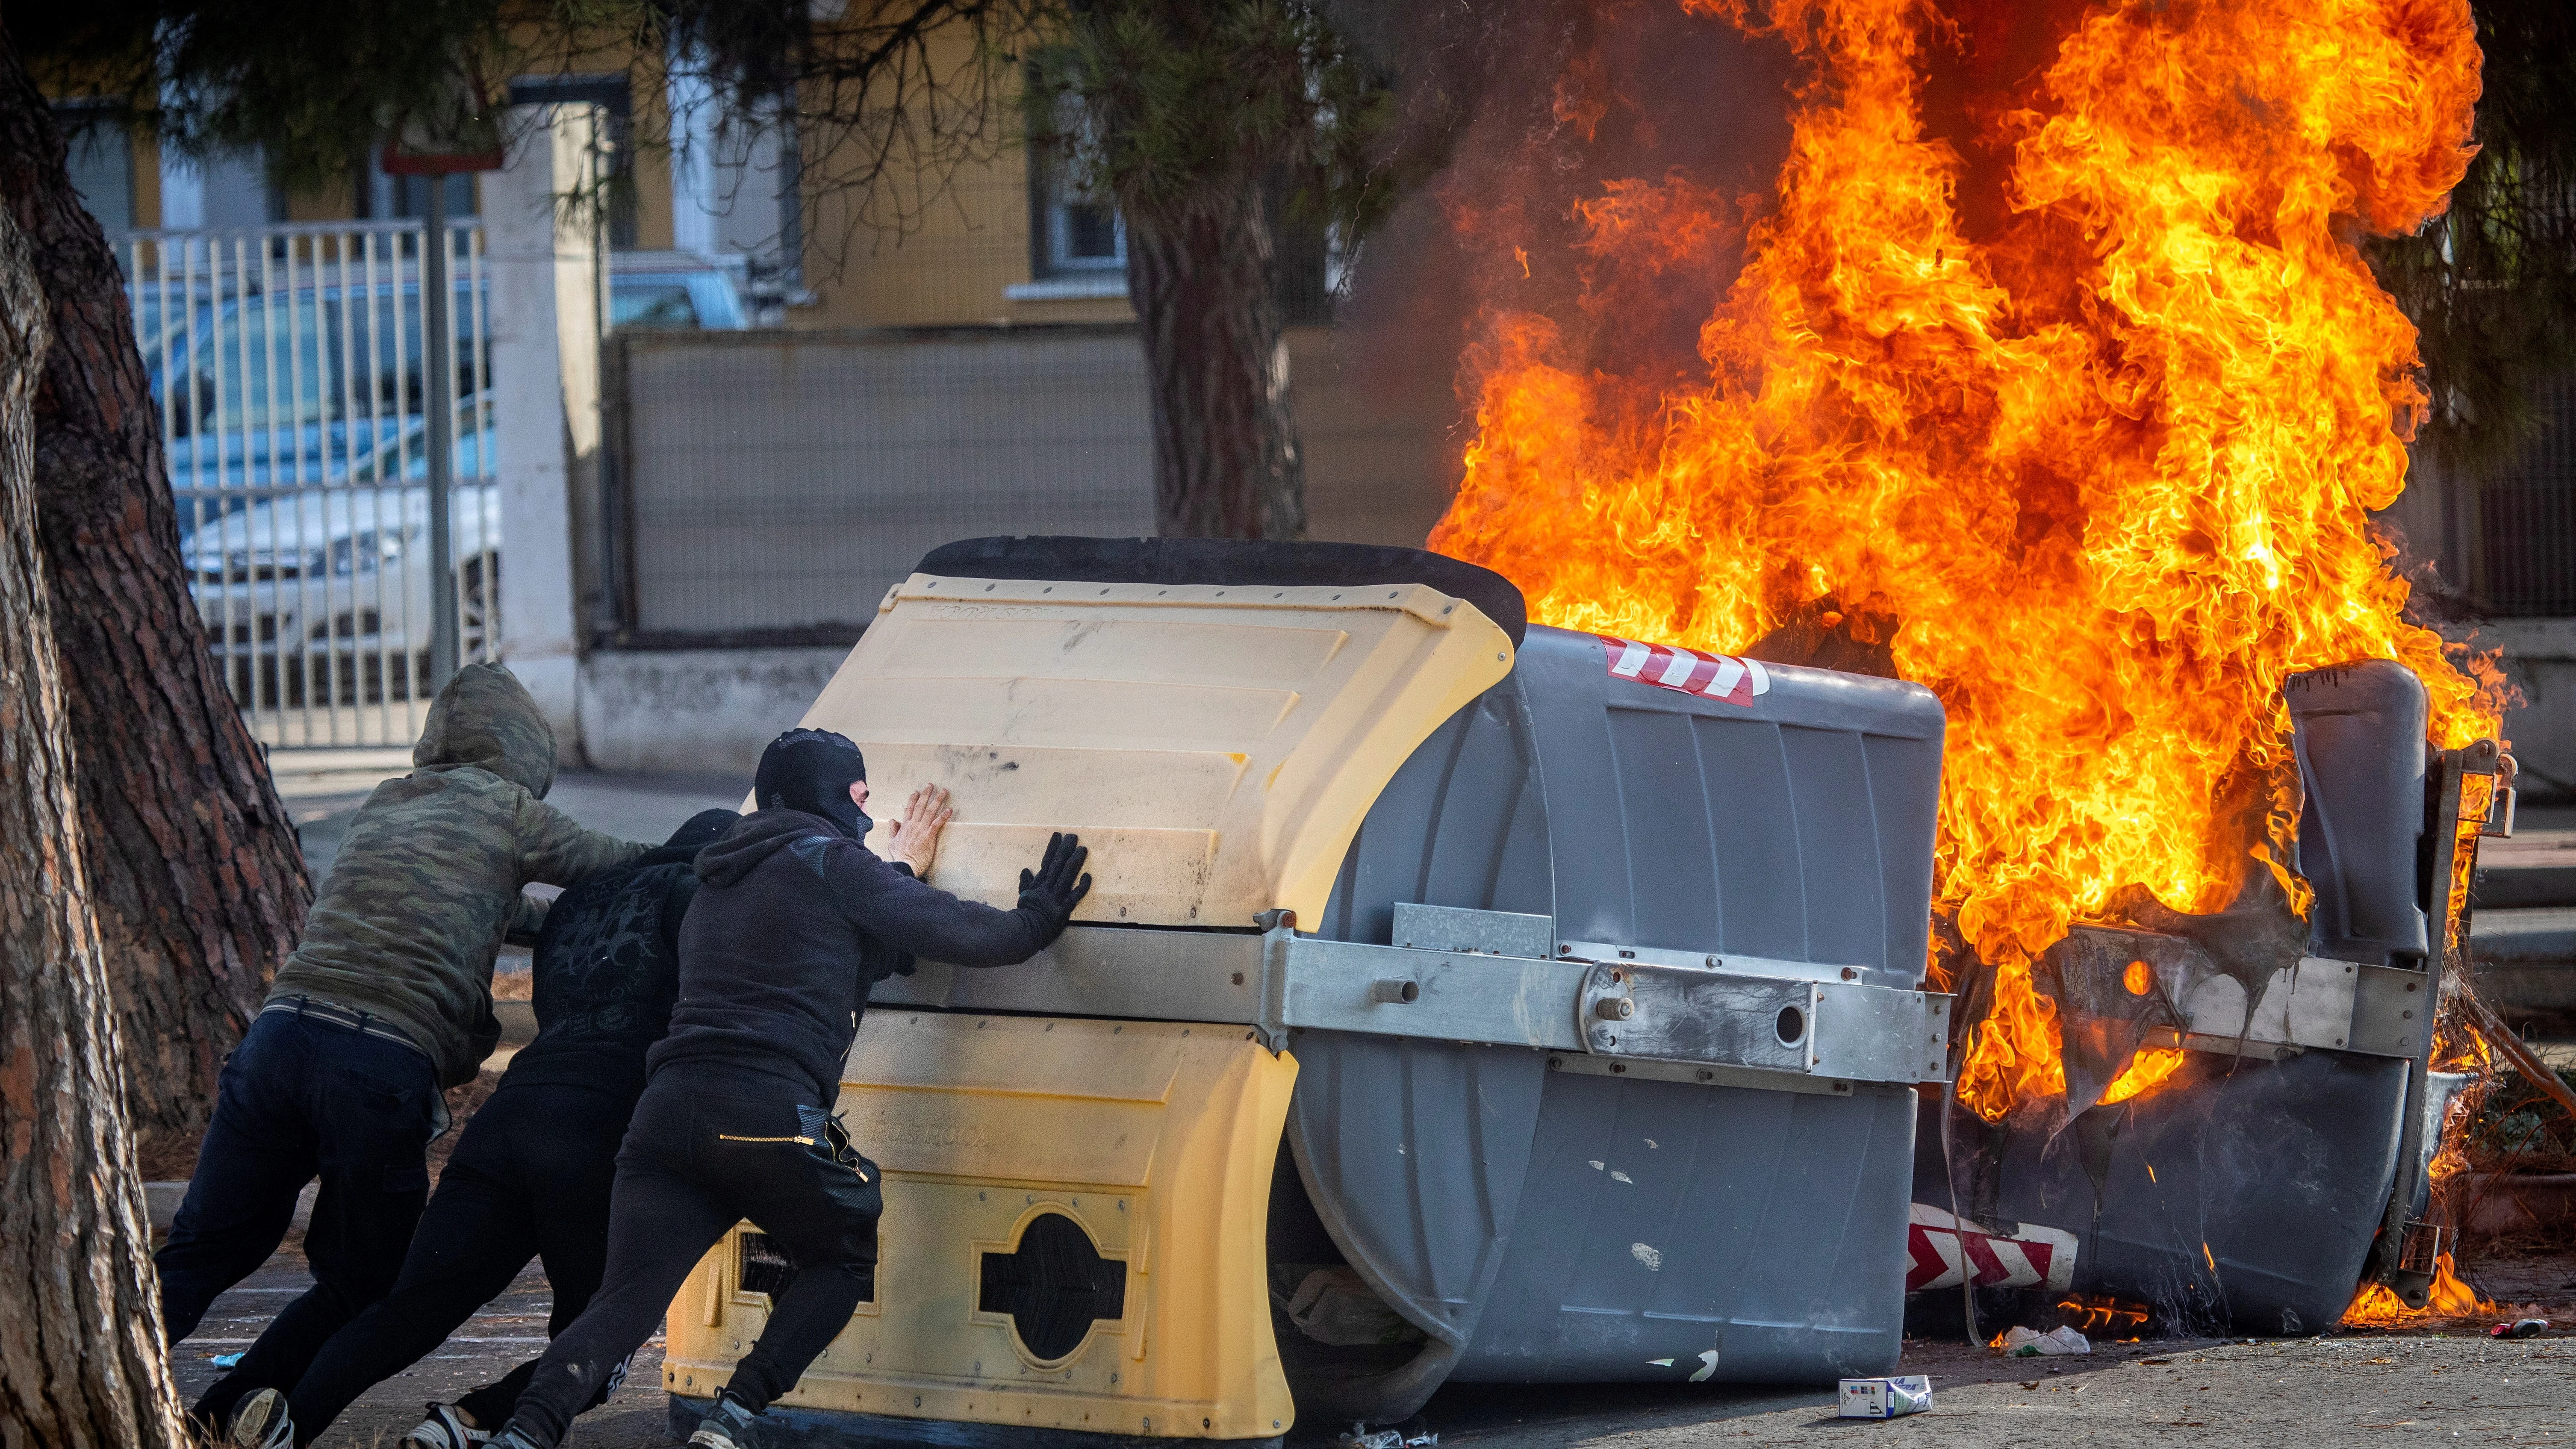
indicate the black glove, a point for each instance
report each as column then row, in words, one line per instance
column 1052, row 890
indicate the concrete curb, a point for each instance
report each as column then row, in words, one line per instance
column 2530, row 936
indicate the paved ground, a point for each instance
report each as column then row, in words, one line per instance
column 2291, row 1394
column 510, row 1328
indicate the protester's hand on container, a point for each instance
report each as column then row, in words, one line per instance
column 1053, row 890
column 914, row 839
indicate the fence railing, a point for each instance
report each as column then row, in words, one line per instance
column 288, row 365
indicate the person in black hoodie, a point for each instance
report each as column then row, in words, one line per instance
column 531, row 1173
column 795, row 919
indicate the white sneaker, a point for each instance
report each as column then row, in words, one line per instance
column 261, row 1422
column 445, row 1429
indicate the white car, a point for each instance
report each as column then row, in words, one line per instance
column 323, row 596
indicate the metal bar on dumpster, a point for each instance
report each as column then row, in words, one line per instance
column 1126, row 971
column 1458, row 996
column 1279, row 982
column 2450, row 773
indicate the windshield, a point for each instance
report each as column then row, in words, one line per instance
column 651, row 304
column 282, row 361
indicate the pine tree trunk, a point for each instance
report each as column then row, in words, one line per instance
column 1216, row 357
column 81, row 1360
column 193, row 869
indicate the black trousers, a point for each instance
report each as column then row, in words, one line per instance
column 301, row 1096
column 709, row 1147
column 530, row 1179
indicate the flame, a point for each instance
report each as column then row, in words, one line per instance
column 2147, row 1071
column 2097, row 471
column 2377, row 1306
column 2100, row 1315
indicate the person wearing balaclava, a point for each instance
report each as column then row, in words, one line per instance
column 795, row 919
column 531, row 1172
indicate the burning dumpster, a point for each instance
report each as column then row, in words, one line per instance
column 2026, row 381
column 2286, row 1161
column 1458, row 1001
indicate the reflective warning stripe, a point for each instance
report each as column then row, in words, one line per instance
column 1669, row 666
column 2032, row 1256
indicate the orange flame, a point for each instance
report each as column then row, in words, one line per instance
column 2100, row 1314
column 2106, row 463
column 2376, row 1306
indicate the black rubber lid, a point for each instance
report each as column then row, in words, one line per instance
column 1229, row 561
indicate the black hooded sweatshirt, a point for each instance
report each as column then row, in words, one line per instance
column 790, row 929
column 607, row 967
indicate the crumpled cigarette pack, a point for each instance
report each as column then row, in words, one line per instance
column 1885, row 1398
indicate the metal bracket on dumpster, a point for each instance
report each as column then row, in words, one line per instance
column 2313, row 1003
column 1785, row 1029
column 1776, row 1023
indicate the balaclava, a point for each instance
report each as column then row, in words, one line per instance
column 812, row 771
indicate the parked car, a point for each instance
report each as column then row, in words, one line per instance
column 681, row 290
column 324, row 594
column 290, row 387
column 298, row 447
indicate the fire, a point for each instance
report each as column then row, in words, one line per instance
column 2147, row 1071
column 2093, row 461
column 2101, row 1315
column 2375, row 1306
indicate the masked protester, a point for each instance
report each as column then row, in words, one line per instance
column 531, row 1173
column 795, row 919
column 387, row 1002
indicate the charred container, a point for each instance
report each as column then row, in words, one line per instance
column 1458, row 1001
column 2286, row 1163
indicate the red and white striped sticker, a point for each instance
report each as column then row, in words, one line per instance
column 1939, row 1252
column 1666, row 666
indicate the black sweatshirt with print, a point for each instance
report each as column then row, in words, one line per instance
column 607, row 969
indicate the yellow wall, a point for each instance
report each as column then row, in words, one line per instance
column 964, row 245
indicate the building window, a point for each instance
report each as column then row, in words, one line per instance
column 1083, row 235
column 102, row 163
column 1077, row 241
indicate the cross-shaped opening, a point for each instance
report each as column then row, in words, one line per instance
column 1054, row 1287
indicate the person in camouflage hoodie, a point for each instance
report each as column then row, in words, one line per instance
column 386, row 1003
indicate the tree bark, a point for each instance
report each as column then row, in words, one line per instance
column 80, row 1319
column 192, row 863
column 1226, row 463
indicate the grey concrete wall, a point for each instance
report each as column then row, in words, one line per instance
column 784, row 480
column 787, row 480
column 695, row 711
column 2540, row 654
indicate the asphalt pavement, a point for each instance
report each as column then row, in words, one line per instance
column 2321, row 1393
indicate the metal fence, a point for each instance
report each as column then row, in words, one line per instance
column 288, row 364
column 2527, row 518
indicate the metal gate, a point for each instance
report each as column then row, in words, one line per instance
column 300, row 419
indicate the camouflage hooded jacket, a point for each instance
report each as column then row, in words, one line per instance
column 426, row 884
